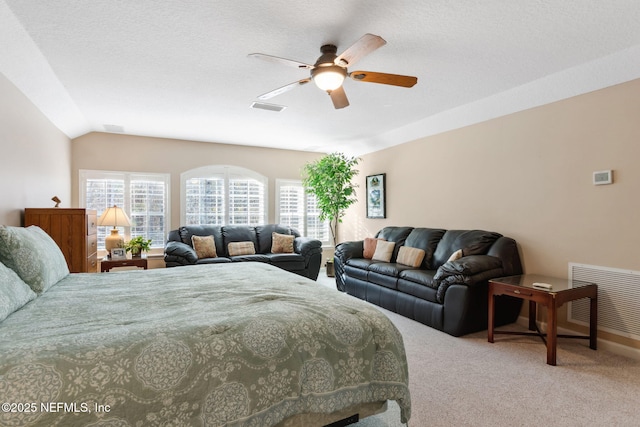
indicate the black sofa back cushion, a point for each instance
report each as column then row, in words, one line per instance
column 265, row 233
column 238, row 233
column 426, row 239
column 203, row 230
column 394, row 234
column 472, row 242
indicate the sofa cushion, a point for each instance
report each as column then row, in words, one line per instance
column 290, row 262
column 410, row 256
column 216, row 260
column 241, row 248
column 418, row 290
column 281, row 243
column 204, row 246
column 384, row 251
column 186, row 232
column 358, row 268
column 426, row 239
column 250, row 258
column 264, row 234
column 472, row 242
column 422, row 277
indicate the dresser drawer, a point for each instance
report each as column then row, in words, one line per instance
column 92, row 244
column 92, row 263
column 92, row 224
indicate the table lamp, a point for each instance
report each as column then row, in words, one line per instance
column 116, row 217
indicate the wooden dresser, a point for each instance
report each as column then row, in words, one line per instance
column 74, row 230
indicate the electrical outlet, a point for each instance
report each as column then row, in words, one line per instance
column 602, row 177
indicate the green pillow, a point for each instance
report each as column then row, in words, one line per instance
column 33, row 255
column 14, row 293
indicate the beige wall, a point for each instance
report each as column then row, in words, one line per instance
column 528, row 176
column 36, row 157
column 104, row 151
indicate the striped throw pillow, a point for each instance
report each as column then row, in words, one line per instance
column 241, row 248
column 410, row 256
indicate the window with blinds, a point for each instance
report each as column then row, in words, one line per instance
column 144, row 197
column 223, row 195
column 299, row 210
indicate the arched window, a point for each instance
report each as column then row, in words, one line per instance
column 222, row 195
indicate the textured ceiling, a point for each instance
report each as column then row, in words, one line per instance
column 179, row 69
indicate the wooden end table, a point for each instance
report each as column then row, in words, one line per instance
column 562, row 291
column 107, row 263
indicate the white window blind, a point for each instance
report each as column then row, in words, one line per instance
column 299, row 210
column 224, row 195
column 144, row 197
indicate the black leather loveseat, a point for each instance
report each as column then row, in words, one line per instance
column 447, row 295
column 304, row 259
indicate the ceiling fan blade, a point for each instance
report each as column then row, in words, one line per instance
column 278, row 60
column 383, row 78
column 283, row 89
column 364, row 46
column 339, row 98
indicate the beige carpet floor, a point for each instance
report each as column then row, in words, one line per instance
column 467, row 381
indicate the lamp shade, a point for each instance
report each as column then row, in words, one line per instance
column 114, row 216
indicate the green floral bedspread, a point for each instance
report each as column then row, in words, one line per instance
column 231, row 344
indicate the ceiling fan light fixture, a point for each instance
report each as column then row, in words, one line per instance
column 328, row 78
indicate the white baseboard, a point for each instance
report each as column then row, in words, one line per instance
column 613, row 347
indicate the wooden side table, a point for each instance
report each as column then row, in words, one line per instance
column 107, row 263
column 562, row 291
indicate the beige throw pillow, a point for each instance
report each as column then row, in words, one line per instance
column 241, row 248
column 282, row 243
column 204, row 246
column 456, row 255
column 410, row 256
column 384, row 250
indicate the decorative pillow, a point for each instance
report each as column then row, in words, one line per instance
column 456, row 255
column 384, row 250
column 410, row 256
column 204, row 246
column 370, row 247
column 282, row 243
column 33, row 255
column 241, row 248
column 14, row 293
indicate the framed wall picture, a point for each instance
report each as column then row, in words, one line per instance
column 376, row 197
column 118, row 253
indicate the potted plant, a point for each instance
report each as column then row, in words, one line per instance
column 329, row 179
column 137, row 245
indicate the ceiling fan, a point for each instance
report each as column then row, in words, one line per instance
column 330, row 70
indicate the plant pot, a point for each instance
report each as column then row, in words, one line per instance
column 330, row 270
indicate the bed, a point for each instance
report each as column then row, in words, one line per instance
column 242, row 344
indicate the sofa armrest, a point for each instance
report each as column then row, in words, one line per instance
column 469, row 270
column 306, row 245
column 344, row 252
column 178, row 253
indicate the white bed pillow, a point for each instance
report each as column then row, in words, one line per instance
column 14, row 293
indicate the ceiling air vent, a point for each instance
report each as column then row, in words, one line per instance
column 113, row 128
column 270, row 107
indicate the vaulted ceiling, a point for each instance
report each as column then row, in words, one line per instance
column 180, row 69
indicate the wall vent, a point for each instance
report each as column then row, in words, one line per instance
column 113, row 128
column 618, row 299
column 268, row 107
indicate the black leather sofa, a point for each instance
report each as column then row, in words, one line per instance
column 305, row 259
column 451, row 296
